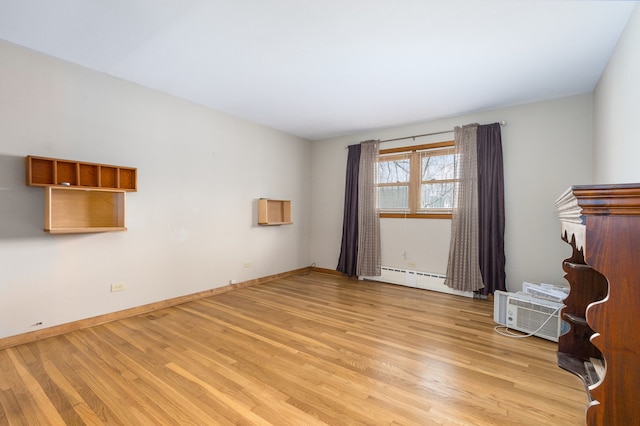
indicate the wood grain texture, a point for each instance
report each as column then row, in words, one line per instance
column 44, row 171
column 20, row 339
column 613, row 246
column 308, row 349
column 604, row 233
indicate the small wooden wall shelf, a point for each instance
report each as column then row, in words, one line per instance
column 274, row 212
column 70, row 210
column 42, row 171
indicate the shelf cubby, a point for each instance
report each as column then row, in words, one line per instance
column 79, row 210
column 274, row 212
column 89, row 175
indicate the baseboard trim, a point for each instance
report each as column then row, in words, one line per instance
column 327, row 271
column 57, row 330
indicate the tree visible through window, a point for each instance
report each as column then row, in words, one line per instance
column 418, row 180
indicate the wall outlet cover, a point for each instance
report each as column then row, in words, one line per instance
column 118, row 287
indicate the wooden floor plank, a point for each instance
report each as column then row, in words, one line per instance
column 37, row 403
column 309, row 349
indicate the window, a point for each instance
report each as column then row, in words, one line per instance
column 417, row 181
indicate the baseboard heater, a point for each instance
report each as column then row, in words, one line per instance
column 417, row 279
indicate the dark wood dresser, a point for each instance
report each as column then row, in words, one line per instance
column 602, row 347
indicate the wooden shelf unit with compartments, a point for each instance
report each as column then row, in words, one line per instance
column 81, row 197
column 43, row 171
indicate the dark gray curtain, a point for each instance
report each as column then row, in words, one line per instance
column 491, row 208
column 348, row 261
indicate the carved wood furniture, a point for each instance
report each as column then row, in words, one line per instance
column 602, row 347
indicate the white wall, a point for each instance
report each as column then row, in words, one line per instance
column 192, row 224
column 546, row 146
column 617, row 111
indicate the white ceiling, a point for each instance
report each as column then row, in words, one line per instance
column 324, row 68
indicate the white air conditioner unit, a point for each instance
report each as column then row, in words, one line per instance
column 526, row 313
column 546, row 291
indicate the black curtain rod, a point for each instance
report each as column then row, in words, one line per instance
column 417, row 136
column 502, row 123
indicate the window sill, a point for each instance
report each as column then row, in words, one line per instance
column 415, row 215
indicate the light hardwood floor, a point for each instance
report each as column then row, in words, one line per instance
column 304, row 350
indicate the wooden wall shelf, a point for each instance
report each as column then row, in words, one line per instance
column 43, row 171
column 274, row 212
column 70, row 210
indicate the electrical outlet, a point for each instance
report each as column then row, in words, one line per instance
column 118, row 287
column 246, row 265
column 233, row 281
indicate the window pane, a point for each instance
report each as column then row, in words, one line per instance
column 437, row 195
column 393, row 171
column 438, row 167
column 393, row 197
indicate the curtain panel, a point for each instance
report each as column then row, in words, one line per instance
column 463, row 266
column 369, row 253
column 347, row 263
column 360, row 252
column 491, row 217
column 476, row 254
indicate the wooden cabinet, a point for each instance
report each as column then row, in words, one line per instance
column 274, row 212
column 81, row 197
column 602, row 347
column 42, row 171
column 78, row 210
